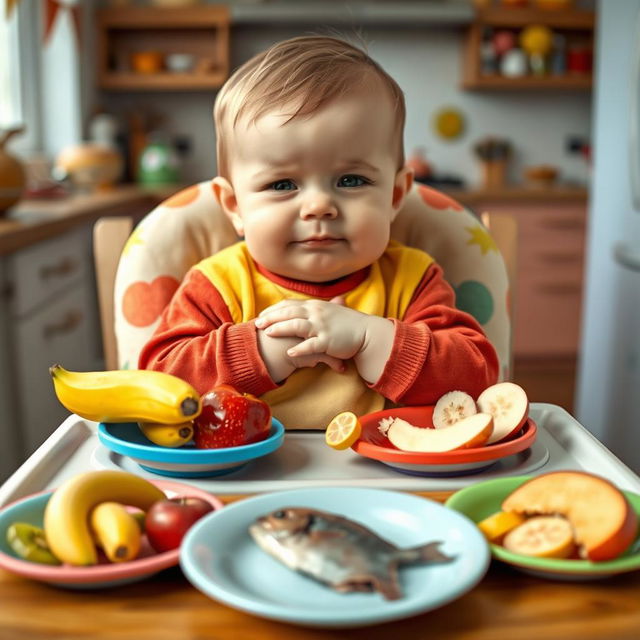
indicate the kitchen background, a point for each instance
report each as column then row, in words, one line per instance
column 472, row 95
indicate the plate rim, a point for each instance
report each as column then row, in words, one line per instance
column 103, row 573
column 481, row 559
column 556, row 566
column 528, row 434
column 155, row 453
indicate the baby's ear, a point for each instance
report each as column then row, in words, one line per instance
column 226, row 197
column 401, row 186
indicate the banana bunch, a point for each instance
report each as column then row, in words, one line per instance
column 167, row 435
column 136, row 395
column 92, row 504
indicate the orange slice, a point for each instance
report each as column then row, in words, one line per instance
column 343, row 430
column 497, row 525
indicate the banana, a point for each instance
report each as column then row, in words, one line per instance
column 167, row 435
column 135, row 395
column 66, row 516
column 117, row 531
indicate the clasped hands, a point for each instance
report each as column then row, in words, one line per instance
column 297, row 333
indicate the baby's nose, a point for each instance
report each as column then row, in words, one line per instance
column 318, row 204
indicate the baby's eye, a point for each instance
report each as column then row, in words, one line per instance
column 282, row 185
column 351, row 180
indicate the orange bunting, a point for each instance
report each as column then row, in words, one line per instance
column 9, row 7
column 51, row 10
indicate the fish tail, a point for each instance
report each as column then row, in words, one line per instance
column 424, row 553
column 388, row 587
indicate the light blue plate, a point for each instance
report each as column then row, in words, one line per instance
column 220, row 558
column 184, row 462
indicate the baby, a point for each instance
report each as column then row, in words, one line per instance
column 317, row 310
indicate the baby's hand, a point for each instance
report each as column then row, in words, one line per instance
column 325, row 327
column 280, row 365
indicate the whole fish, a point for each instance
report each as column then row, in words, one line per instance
column 337, row 551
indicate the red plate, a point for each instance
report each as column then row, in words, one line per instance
column 373, row 444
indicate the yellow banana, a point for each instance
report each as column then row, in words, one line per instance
column 66, row 516
column 167, row 435
column 117, row 531
column 135, row 395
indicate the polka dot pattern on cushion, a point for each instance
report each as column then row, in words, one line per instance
column 475, row 298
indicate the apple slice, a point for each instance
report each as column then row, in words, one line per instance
column 603, row 522
column 469, row 432
column 508, row 404
column 453, row 407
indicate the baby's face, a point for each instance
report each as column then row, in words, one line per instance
column 315, row 197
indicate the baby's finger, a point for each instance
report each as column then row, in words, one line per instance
column 279, row 305
column 299, row 327
column 289, row 312
column 307, row 347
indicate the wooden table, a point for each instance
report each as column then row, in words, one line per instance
column 506, row 605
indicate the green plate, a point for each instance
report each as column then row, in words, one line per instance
column 483, row 499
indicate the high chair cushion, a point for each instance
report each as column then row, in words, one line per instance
column 190, row 226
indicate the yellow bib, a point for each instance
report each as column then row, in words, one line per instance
column 311, row 397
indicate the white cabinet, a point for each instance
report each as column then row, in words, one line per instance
column 50, row 316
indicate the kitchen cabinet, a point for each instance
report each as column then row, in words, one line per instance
column 576, row 26
column 197, row 37
column 51, row 318
column 48, row 306
column 547, row 294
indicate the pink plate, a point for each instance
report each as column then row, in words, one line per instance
column 373, row 444
column 104, row 574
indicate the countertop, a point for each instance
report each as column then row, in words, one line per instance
column 32, row 221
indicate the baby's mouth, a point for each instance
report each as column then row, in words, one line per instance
column 319, row 241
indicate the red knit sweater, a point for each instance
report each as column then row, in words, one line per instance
column 436, row 349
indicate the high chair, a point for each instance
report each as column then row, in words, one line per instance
column 138, row 272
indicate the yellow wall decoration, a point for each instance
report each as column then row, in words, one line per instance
column 449, row 123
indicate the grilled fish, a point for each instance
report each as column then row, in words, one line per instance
column 337, row 551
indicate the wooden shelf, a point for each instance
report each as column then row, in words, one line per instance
column 157, row 18
column 515, row 18
column 572, row 82
column 520, row 194
column 575, row 24
column 201, row 31
column 162, row 81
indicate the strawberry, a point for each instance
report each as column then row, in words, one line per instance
column 230, row 418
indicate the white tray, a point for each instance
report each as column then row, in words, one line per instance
column 305, row 461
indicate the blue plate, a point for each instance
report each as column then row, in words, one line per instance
column 184, row 462
column 219, row 557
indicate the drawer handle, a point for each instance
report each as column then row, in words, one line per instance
column 70, row 321
column 565, row 224
column 559, row 287
column 65, row 267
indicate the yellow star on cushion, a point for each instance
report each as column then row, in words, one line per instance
column 134, row 239
column 481, row 237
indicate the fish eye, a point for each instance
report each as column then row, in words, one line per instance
column 279, row 514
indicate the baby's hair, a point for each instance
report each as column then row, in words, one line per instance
column 305, row 73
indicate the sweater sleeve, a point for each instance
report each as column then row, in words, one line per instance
column 198, row 341
column 437, row 348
